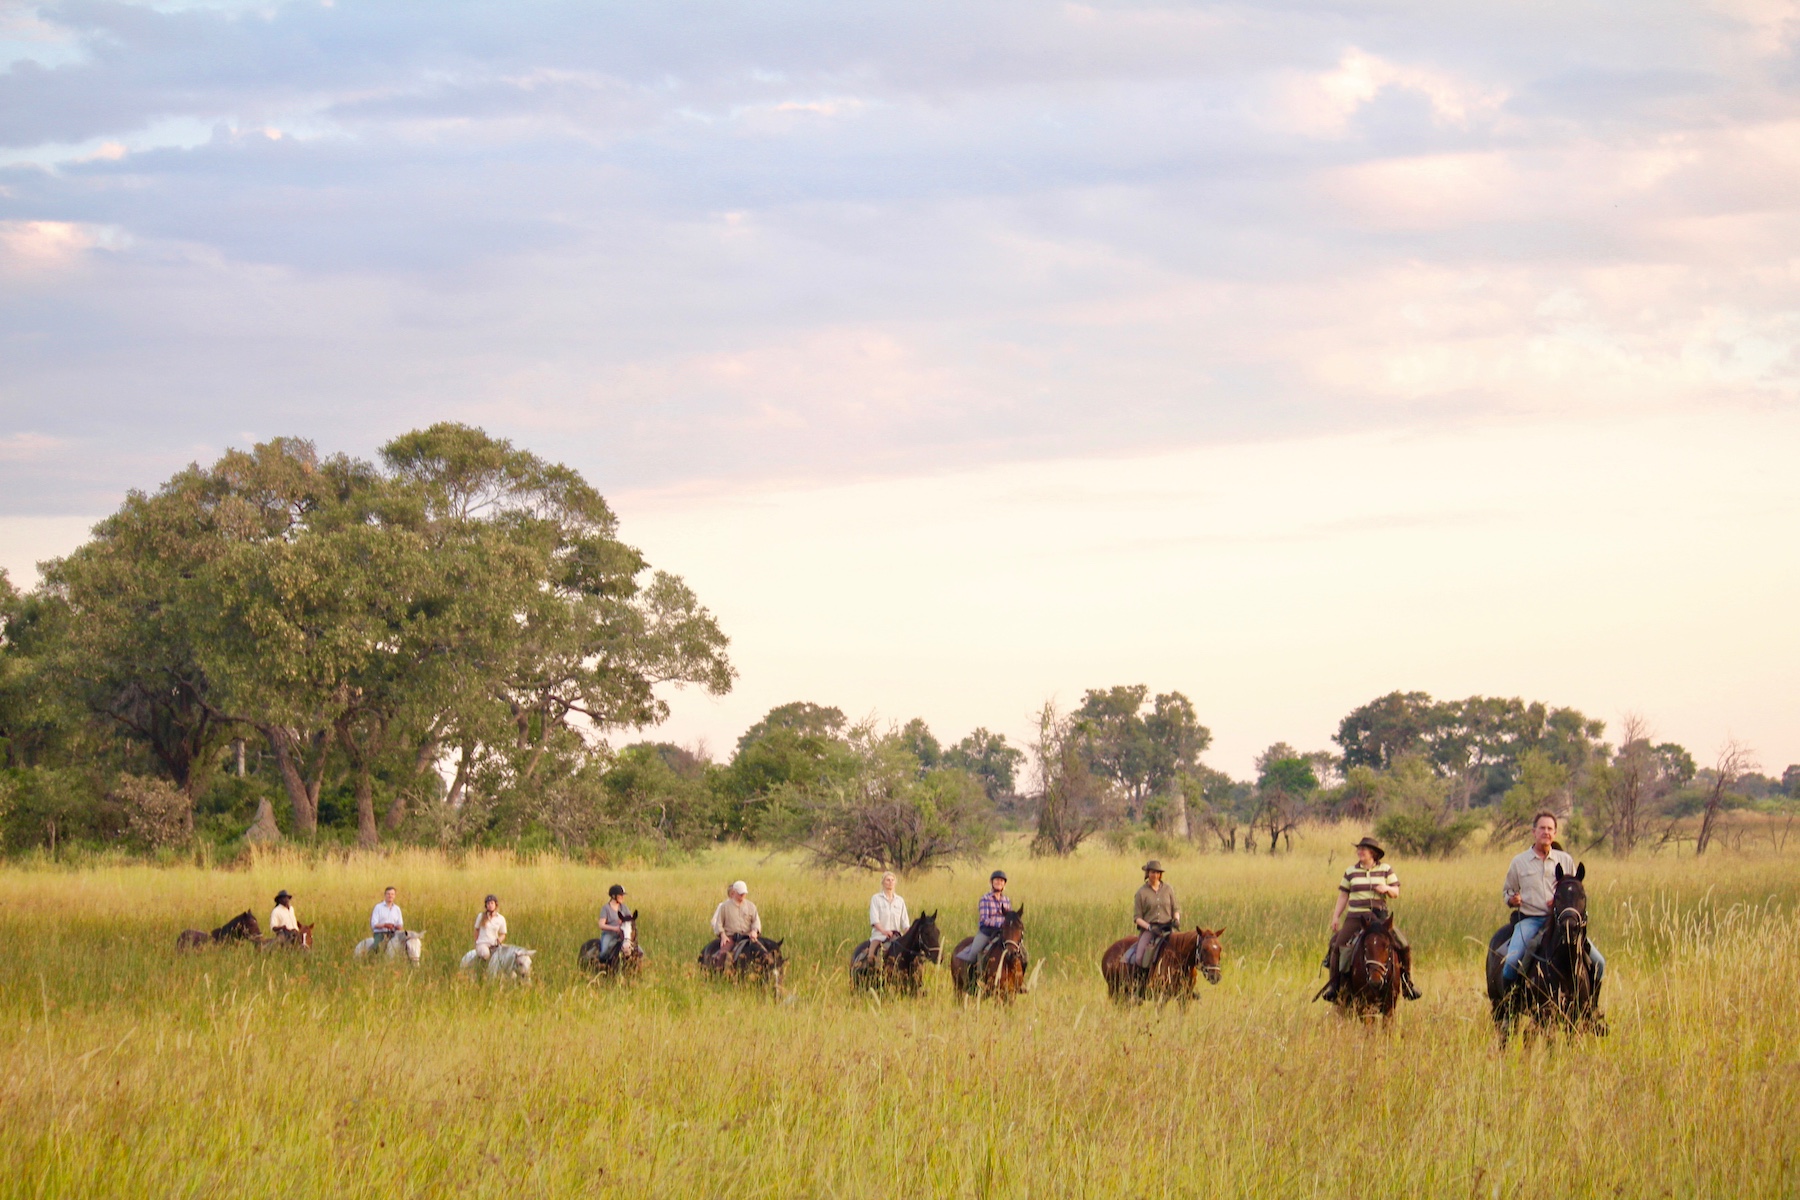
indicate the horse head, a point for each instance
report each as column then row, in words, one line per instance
column 1568, row 906
column 305, row 936
column 1012, row 930
column 522, row 962
column 415, row 944
column 927, row 939
column 1377, row 948
column 1208, row 952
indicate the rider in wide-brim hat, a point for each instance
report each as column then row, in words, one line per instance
column 1363, row 894
column 282, row 917
column 1154, row 913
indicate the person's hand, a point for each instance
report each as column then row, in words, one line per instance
column 1513, row 900
column 1334, row 928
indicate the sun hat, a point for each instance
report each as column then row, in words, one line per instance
column 1374, row 847
column 1153, row 865
column 283, row 894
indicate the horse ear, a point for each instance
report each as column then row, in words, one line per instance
column 1581, row 870
column 1559, row 872
column 1219, row 932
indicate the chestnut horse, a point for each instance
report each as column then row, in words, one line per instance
column 1372, row 984
column 1180, row 960
column 290, row 939
column 898, row 966
column 1000, row 971
column 1556, row 987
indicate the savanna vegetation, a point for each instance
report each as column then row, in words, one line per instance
column 134, row 1071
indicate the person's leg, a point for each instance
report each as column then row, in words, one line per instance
column 609, row 942
column 1522, row 933
column 1598, row 960
column 1403, row 948
column 973, row 950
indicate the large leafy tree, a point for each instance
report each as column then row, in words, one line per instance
column 1143, row 753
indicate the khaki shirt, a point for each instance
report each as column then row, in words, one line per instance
column 1534, row 879
column 736, row 919
column 1155, row 905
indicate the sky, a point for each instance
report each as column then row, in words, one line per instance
column 967, row 356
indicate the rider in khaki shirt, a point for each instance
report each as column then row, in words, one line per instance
column 1154, row 912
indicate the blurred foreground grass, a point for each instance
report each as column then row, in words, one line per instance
column 131, row 1071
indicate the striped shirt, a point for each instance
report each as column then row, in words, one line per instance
column 1359, row 883
column 991, row 910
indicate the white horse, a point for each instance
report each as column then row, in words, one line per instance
column 411, row 939
column 504, row 960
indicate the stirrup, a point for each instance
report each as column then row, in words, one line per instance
column 1407, row 988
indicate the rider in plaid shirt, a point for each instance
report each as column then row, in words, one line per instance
column 990, row 916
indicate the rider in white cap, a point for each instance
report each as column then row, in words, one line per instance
column 735, row 917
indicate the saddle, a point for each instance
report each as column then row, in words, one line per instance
column 1159, row 935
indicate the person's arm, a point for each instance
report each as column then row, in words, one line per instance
column 1138, row 909
column 1391, row 887
column 718, row 921
column 1337, row 914
column 1509, row 891
column 500, row 935
column 755, row 921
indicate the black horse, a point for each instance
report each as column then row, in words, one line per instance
column 241, row 928
column 1556, row 988
column 750, row 960
column 897, row 963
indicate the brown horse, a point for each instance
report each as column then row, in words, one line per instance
column 290, row 939
column 1180, row 961
column 1000, row 971
column 241, row 928
column 1372, row 984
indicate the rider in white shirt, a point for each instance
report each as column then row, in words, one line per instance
column 490, row 928
column 283, row 916
column 385, row 921
column 887, row 914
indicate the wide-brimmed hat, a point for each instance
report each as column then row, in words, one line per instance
column 615, row 890
column 283, row 894
column 996, row 875
column 1153, row 865
column 1374, row 848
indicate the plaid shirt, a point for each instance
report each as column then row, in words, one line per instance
column 991, row 910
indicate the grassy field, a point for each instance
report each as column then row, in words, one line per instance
column 129, row 1071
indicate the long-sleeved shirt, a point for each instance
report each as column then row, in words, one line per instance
column 888, row 917
column 283, row 918
column 1534, row 879
column 991, row 910
column 386, row 914
column 1155, row 905
column 737, row 919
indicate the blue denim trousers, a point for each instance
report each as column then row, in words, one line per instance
column 1522, row 936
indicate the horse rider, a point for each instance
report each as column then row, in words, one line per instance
column 1363, row 894
column 385, row 920
column 990, row 919
column 1155, row 913
column 888, row 918
column 612, row 923
column 490, row 928
column 736, row 917
column 1530, row 887
column 283, row 915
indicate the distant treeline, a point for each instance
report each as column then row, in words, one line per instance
column 446, row 647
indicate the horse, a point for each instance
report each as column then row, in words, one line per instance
column 1180, row 961
column 627, row 958
column 241, row 928
column 290, row 939
column 1372, row 984
column 1000, row 971
column 407, row 942
column 897, row 963
column 1556, row 987
column 509, row 961
column 750, row 959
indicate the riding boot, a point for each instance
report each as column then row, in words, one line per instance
column 1331, row 987
column 1406, row 981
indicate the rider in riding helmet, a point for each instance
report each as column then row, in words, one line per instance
column 990, row 919
column 283, row 915
column 1530, row 887
column 612, row 923
column 384, row 919
column 1154, row 912
column 490, row 928
column 888, row 918
column 735, row 918
column 1363, row 894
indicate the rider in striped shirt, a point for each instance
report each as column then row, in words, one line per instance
column 1363, row 895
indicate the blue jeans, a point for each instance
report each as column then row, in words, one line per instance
column 1522, row 936
column 608, row 942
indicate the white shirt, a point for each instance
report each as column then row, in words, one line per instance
column 887, row 917
column 491, row 933
column 386, row 914
column 1533, row 879
column 283, row 918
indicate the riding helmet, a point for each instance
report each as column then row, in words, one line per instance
column 283, row 896
column 615, row 891
column 996, row 875
column 491, row 896
column 1374, row 848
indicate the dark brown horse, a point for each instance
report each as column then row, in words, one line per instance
column 898, row 966
column 1000, row 971
column 626, row 958
column 1372, row 984
column 290, row 939
column 1556, row 988
column 750, row 960
column 241, row 928
column 1180, row 961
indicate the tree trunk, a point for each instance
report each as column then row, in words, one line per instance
column 367, row 836
column 304, row 799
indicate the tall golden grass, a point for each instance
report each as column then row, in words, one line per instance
column 131, row 1071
